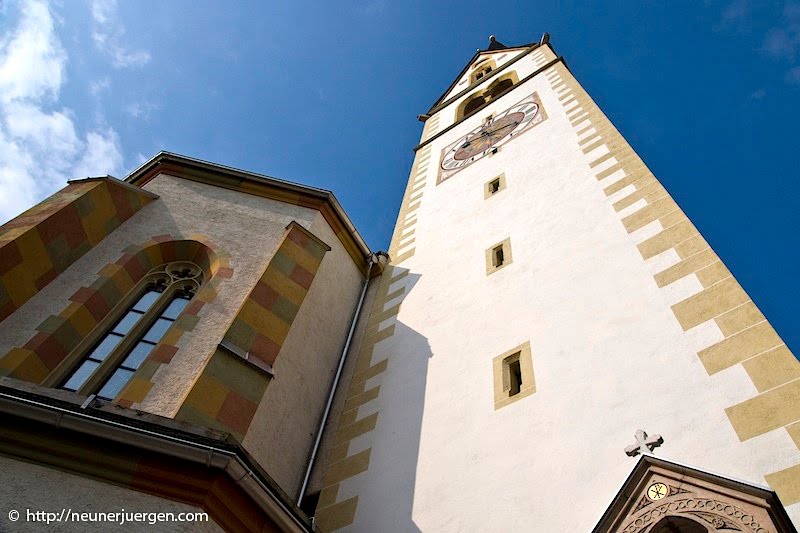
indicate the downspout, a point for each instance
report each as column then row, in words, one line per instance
column 373, row 260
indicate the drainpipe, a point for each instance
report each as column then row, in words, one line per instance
column 373, row 260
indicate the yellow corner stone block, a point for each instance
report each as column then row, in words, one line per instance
column 667, row 239
column 709, row 303
column 25, row 365
column 739, row 347
column 264, row 322
column 740, row 318
column 766, row 412
column 685, row 267
column 207, row 396
column 773, row 368
column 136, row 390
column 300, row 256
column 786, row 483
column 80, row 318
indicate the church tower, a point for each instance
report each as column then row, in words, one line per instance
column 553, row 331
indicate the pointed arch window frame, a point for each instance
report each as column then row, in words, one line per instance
column 175, row 279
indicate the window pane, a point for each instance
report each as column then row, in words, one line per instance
column 115, row 384
column 157, row 330
column 127, row 322
column 175, row 308
column 105, row 347
column 146, row 301
column 81, row 375
column 137, row 355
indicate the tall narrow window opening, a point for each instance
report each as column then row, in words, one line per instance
column 498, row 256
column 516, row 376
column 114, row 357
column 512, row 375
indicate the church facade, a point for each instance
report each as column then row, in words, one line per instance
column 548, row 345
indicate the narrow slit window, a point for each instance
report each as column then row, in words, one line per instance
column 512, row 375
column 498, row 257
column 494, row 185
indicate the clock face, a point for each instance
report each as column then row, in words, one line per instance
column 494, row 132
column 656, row 491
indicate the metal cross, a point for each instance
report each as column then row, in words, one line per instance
column 644, row 444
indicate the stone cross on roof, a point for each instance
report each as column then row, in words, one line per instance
column 644, row 444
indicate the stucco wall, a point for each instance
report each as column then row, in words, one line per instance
column 608, row 353
column 247, row 227
column 283, row 429
column 32, row 487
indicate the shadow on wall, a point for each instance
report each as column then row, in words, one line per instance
column 394, row 443
column 396, row 449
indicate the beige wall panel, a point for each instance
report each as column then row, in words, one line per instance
column 283, row 429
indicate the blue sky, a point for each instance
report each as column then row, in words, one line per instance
column 327, row 94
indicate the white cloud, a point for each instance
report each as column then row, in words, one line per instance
column 101, row 155
column 32, row 62
column 40, row 147
column 108, row 31
column 99, row 85
column 140, row 110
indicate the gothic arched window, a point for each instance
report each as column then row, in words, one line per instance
column 131, row 333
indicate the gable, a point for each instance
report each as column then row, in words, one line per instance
column 496, row 59
column 660, row 495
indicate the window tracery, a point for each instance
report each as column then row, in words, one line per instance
column 150, row 309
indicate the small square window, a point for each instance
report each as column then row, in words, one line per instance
column 498, row 256
column 494, row 186
column 513, row 375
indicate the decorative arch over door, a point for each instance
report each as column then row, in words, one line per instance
column 660, row 496
column 678, row 524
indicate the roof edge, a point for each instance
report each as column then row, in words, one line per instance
column 315, row 197
column 477, row 54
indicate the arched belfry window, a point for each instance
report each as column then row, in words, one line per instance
column 123, row 342
column 481, row 69
column 473, row 104
column 495, row 90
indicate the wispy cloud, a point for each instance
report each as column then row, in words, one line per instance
column 758, row 94
column 40, row 147
column 98, row 86
column 783, row 40
column 736, row 15
column 108, row 33
column 140, row 109
column 374, row 7
column 793, row 75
